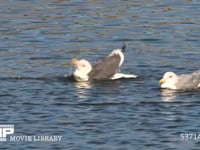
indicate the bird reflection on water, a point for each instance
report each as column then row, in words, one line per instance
column 168, row 95
column 82, row 89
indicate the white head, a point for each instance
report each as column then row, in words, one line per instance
column 169, row 81
column 83, row 67
column 120, row 53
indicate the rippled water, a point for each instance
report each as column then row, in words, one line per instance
column 37, row 37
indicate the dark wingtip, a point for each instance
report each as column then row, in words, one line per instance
column 124, row 47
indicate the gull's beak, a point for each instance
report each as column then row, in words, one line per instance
column 161, row 81
column 66, row 64
column 73, row 62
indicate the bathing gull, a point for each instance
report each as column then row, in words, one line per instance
column 103, row 70
column 173, row 81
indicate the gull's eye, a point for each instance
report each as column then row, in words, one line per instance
column 170, row 76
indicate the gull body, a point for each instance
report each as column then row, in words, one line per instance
column 173, row 81
column 105, row 69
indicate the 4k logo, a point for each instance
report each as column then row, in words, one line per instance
column 5, row 130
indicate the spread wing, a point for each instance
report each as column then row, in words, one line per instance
column 105, row 69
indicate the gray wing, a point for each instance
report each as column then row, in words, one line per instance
column 105, row 69
column 190, row 81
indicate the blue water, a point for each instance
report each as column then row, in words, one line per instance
column 38, row 37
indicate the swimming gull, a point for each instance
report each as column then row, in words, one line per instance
column 105, row 69
column 173, row 81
